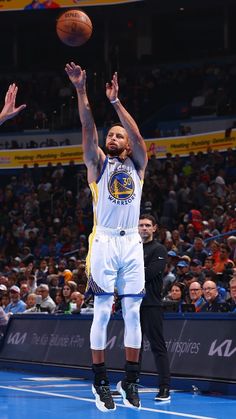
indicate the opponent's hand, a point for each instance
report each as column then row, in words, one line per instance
column 76, row 75
column 9, row 109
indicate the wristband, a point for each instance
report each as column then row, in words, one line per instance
column 114, row 101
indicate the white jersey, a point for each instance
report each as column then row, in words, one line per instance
column 117, row 195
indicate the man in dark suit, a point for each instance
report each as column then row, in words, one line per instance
column 155, row 258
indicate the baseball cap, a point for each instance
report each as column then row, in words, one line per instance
column 15, row 288
column 219, row 180
column 3, row 287
column 182, row 264
column 172, row 253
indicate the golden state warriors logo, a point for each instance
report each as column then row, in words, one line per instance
column 121, row 186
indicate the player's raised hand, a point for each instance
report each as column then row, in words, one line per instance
column 112, row 88
column 76, row 75
column 9, row 109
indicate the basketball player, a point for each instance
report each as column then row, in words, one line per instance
column 115, row 257
column 9, row 109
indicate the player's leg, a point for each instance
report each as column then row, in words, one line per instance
column 130, row 286
column 128, row 387
column 98, row 339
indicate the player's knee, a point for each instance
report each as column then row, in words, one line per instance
column 132, row 316
column 103, row 316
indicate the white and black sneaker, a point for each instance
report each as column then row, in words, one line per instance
column 104, row 400
column 163, row 395
column 129, row 393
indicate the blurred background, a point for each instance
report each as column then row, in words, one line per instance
column 166, row 52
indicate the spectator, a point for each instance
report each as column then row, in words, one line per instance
column 3, row 322
column 4, row 298
column 58, row 298
column 24, row 291
column 231, row 241
column 177, row 242
column 197, row 251
column 188, row 237
column 53, row 281
column 47, row 304
column 220, row 266
column 172, row 258
column 67, row 290
column 3, row 289
column 176, row 294
column 232, row 299
column 197, row 269
column 31, row 303
column 196, row 295
column 194, row 215
column 212, row 297
column 77, row 301
column 41, row 273
column 16, row 305
column 212, row 227
column 64, row 274
column 220, row 187
column 214, row 250
column 182, row 268
column 208, row 264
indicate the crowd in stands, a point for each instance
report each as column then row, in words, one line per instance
column 46, row 218
column 185, row 91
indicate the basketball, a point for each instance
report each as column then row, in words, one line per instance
column 74, row 28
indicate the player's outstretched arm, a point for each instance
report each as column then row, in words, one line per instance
column 9, row 109
column 91, row 149
column 137, row 143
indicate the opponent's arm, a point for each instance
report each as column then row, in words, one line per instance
column 9, row 109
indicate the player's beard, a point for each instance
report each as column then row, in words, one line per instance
column 113, row 152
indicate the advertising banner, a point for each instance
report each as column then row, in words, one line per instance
column 191, row 144
column 42, row 156
column 197, row 348
column 54, row 4
column 42, row 147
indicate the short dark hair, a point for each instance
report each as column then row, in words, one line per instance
column 114, row 124
column 148, row 217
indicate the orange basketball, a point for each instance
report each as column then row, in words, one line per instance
column 74, row 28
